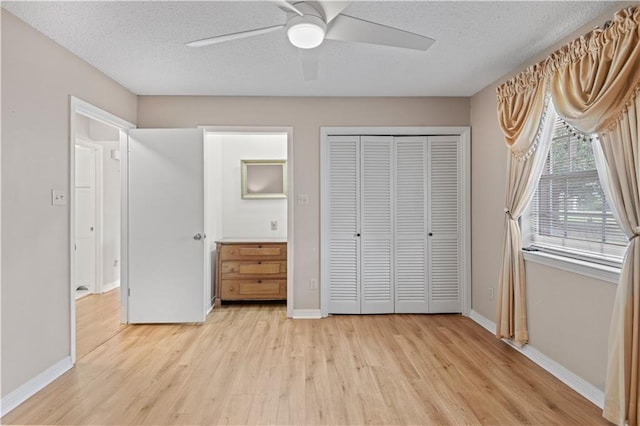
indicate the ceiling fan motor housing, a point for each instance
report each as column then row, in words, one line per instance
column 307, row 31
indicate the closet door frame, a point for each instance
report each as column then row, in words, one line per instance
column 464, row 132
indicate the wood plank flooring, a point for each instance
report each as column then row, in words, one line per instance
column 249, row 365
column 97, row 320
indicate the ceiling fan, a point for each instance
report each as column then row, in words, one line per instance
column 309, row 23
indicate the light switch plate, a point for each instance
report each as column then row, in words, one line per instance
column 303, row 199
column 58, row 197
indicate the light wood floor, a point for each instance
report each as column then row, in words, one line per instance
column 251, row 365
column 97, row 320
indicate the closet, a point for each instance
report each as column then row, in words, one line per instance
column 393, row 224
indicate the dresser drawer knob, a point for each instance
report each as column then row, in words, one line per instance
column 259, row 246
column 259, row 263
column 259, row 281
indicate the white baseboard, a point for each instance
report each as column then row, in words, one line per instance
column 306, row 314
column 27, row 390
column 112, row 285
column 566, row 376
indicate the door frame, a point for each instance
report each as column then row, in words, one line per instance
column 98, row 183
column 78, row 106
column 290, row 194
column 465, row 136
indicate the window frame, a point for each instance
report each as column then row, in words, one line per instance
column 604, row 265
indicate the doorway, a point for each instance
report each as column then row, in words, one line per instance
column 95, row 210
column 232, row 217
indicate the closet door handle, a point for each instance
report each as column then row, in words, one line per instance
column 431, row 234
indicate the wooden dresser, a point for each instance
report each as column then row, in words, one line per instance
column 251, row 271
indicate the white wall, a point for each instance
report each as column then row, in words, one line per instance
column 213, row 212
column 249, row 218
column 38, row 77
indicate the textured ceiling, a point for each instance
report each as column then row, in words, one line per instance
column 141, row 45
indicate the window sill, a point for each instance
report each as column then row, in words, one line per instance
column 589, row 269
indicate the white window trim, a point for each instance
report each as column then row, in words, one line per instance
column 588, row 269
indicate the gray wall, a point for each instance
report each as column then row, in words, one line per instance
column 38, row 76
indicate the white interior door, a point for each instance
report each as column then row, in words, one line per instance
column 445, row 218
column 343, row 224
column 85, row 218
column 166, row 226
column 411, row 267
column 376, row 265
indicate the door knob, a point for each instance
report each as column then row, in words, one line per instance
column 198, row 236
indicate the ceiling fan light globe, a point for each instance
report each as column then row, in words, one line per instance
column 306, row 32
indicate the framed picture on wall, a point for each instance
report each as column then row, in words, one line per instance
column 264, row 179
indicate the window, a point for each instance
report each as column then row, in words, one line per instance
column 569, row 215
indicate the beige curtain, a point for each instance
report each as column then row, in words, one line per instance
column 595, row 83
column 526, row 117
column 621, row 150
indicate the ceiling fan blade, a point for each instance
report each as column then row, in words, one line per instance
column 329, row 8
column 348, row 28
column 234, row 36
column 286, row 6
column 309, row 60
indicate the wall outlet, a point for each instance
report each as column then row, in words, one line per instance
column 491, row 293
column 313, row 284
column 274, row 225
column 58, row 197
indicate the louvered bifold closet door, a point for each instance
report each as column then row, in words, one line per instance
column 343, row 224
column 444, row 201
column 411, row 278
column 376, row 266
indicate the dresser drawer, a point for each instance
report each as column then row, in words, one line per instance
column 266, row 269
column 254, row 251
column 253, row 289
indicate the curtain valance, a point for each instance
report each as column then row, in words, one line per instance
column 595, row 78
column 597, row 73
column 521, row 105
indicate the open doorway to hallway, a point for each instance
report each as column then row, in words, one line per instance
column 97, row 232
column 97, row 309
